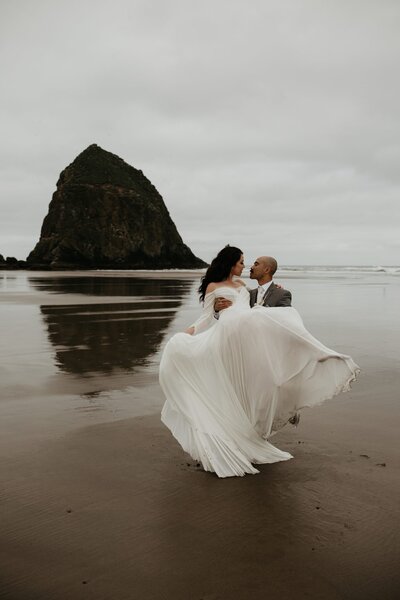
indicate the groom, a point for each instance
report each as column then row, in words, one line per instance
column 267, row 293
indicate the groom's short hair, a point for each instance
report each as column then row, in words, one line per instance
column 271, row 263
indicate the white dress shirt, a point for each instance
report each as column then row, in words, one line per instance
column 262, row 289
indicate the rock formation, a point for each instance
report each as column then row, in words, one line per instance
column 107, row 214
column 11, row 263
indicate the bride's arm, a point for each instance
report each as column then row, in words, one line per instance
column 206, row 318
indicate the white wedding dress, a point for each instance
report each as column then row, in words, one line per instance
column 240, row 378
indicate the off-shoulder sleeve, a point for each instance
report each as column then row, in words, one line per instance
column 206, row 318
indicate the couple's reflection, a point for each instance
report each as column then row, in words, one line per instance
column 104, row 338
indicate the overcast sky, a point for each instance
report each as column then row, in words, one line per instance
column 271, row 125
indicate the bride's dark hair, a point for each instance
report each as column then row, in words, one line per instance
column 220, row 268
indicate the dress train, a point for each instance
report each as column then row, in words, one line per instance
column 240, row 378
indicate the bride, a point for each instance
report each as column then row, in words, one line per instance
column 231, row 382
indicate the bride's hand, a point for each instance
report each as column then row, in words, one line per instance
column 190, row 330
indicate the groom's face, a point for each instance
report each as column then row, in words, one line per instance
column 258, row 269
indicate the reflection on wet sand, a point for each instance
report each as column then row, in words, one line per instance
column 94, row 339
column 112, row 286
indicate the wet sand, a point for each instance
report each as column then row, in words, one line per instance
column 100, row 502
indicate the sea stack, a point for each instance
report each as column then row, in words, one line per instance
column 105, row 214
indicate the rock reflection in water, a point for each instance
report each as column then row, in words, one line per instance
column 112, row 286
column 101, row 338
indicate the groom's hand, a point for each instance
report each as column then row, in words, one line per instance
column 221, row 304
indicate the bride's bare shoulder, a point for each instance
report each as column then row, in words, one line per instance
column 215, row 285
column 211, row 287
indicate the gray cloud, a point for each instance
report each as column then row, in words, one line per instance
column 271, row 125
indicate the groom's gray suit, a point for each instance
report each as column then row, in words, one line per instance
column 274, row 296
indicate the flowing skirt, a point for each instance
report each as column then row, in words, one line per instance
column 231, row 387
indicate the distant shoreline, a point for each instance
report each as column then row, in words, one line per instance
column 389, row 269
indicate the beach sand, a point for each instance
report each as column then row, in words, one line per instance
column 100, row 502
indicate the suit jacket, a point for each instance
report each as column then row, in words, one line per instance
column 274, row 296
